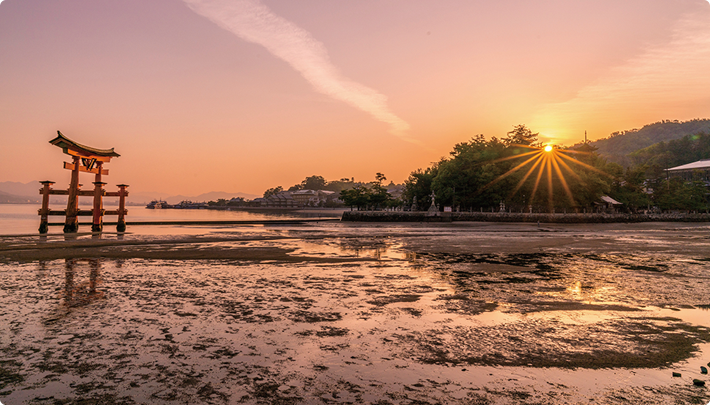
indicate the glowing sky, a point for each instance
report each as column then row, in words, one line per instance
column 242, row 95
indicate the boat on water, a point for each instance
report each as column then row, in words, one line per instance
column 158, row 204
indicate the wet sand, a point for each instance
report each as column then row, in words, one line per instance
column 350, row 313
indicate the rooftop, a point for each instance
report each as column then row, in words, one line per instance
column 67, row 144
column 700, row 164
column 610, row 200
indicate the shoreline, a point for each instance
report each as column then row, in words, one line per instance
column 423, row 216
column 294, row 221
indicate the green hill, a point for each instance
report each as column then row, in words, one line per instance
column 619, row 145
column 676, row 152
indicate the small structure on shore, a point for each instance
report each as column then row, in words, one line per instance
column 88, row 160
column 433, row 209
column 608, row 204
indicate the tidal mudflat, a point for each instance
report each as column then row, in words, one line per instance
column 356, row 313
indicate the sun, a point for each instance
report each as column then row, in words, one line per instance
column 545, row 160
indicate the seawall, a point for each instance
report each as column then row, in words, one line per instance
column 405, row 216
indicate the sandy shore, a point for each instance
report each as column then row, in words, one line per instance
column 352, row 313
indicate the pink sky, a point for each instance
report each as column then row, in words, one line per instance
column 242, row 95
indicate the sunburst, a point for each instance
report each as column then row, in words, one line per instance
column 544, row 161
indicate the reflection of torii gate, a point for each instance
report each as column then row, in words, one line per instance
column 88, row 160
column 78, row 294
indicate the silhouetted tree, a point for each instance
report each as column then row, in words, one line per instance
column 521, row 135
column 313, row 183
column 268, row 193
column 373, row 195
column 357, row 196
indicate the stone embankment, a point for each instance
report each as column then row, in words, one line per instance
column 422, row 216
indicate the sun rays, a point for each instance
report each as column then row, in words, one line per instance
column 550, row 167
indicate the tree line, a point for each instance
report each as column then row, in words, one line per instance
column 481, row 174
column 645, row 182
column 363, row 195
column 316, row 182
column 515, row 171
column 620, row 145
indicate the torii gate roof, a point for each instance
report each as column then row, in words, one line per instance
column 76, row 149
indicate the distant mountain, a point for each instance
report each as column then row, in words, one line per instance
column 12, row 192
column 30, row 189
column 7, row 198
column 618, row 145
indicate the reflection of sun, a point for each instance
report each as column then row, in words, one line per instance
column 553, row 159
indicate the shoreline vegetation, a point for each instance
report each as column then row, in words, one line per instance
column 423, row 216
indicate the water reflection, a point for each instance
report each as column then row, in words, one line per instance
column 81, row 293
column 70, row 237
column 377, row 252
column 42, row 269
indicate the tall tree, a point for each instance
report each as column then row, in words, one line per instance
column 314, row 183
column 418, row 186
column 378, row 195
column 521, row 135
column 358, row 196
column 268, row 193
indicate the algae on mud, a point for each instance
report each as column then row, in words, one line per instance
column 359, row 314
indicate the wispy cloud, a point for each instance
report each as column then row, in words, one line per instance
column 254, row 22
column 660, row 83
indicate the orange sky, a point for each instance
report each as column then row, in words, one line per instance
column 242, row 95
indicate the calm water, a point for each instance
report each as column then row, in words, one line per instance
column 23, row 218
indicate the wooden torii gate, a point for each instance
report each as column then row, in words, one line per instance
column 88, row 160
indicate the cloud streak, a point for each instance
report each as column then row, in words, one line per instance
column 662, row 82
column 254, row 22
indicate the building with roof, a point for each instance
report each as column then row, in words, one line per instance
column 395, row 190
column 299, row 198
column 699, row 170
column 278, row 200
column 313, row 198
column 304, row 197
column 607, row 204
